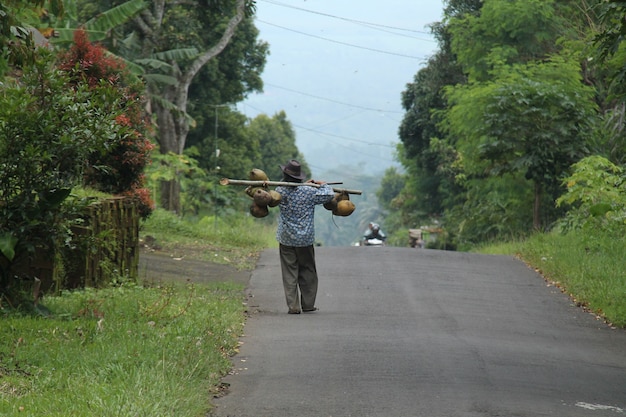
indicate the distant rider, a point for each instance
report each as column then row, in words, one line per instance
column 374, row 232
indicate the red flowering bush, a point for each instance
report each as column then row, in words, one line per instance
column 118, row 168
column 86, row 62
column 142, row 195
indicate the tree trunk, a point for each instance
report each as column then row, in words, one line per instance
column 172, row 134
column 537, row 207
column 173, row 125
column 170, row 196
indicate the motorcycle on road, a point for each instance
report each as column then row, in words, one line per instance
column 373, row 236
column 373, row 242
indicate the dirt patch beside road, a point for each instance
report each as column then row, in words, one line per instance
column 156, row 266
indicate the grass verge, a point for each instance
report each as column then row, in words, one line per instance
column 130, row 350
column 123, row 351
column 235, row 240
column 589, row 266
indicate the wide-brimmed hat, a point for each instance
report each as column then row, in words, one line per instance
column 293, row 169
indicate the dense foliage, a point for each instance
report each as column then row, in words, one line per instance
column 17, row 39
column 65, row 121
column 194, row 58
column 92, row 106
column 495, row 121
column 516, row 95
column 47, row 133
column 118, row 168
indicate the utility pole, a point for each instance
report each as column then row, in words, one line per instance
column 216, row 167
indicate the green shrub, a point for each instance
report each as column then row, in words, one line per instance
column 118, row 168
column 47, row 132
column 124, row 351
column 80, row 122
column 596, row 193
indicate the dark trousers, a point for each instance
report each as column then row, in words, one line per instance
column 299, row 272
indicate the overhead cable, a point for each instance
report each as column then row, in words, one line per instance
column 334, row 101
column 325, row 133
column 342, row 137
column 339, row 42
column 347, row 19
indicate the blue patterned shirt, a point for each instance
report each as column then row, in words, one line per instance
column 296, row 226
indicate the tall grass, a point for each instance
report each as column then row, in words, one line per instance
column 124, row 351
column 232, row 239
column 130, row 350
column 588, row 265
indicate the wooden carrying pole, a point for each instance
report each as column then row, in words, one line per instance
column 228, row 181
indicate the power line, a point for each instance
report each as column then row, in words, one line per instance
column 339, row 42
column 341, row 137
column 341, row 119
column 363, row 153
column 351, row 149
column 334, row 101
column 395, row 33
column 347, row 19
column 332, row 135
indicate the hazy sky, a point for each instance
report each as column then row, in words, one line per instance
column 338, row 68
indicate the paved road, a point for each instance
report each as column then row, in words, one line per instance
column 406, row 332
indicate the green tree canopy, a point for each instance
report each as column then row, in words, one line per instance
column 277, row 141
column 514, row 95
column 504, row 33
column 175, row 41
column 533, row 120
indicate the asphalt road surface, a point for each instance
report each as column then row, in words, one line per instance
column 409, row 332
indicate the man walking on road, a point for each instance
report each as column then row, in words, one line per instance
column 296, row 236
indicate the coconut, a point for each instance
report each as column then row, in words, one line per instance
column 331, row 205
column 250, row 191
column 342, row 196
column 259, row 211
column 276, row 197
column 344, row 208
column 262, row 197
column 256, row 174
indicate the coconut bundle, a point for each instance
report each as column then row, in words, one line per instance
column 262, row 197
column 340, row 205
column 257, row 188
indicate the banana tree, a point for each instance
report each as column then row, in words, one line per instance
column 98, row 28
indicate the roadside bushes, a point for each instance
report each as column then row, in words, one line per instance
column 118, row 166
column 63, row 124
column 47, row 133
column 596, row 197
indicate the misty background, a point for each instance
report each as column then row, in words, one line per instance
column 338, row 69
